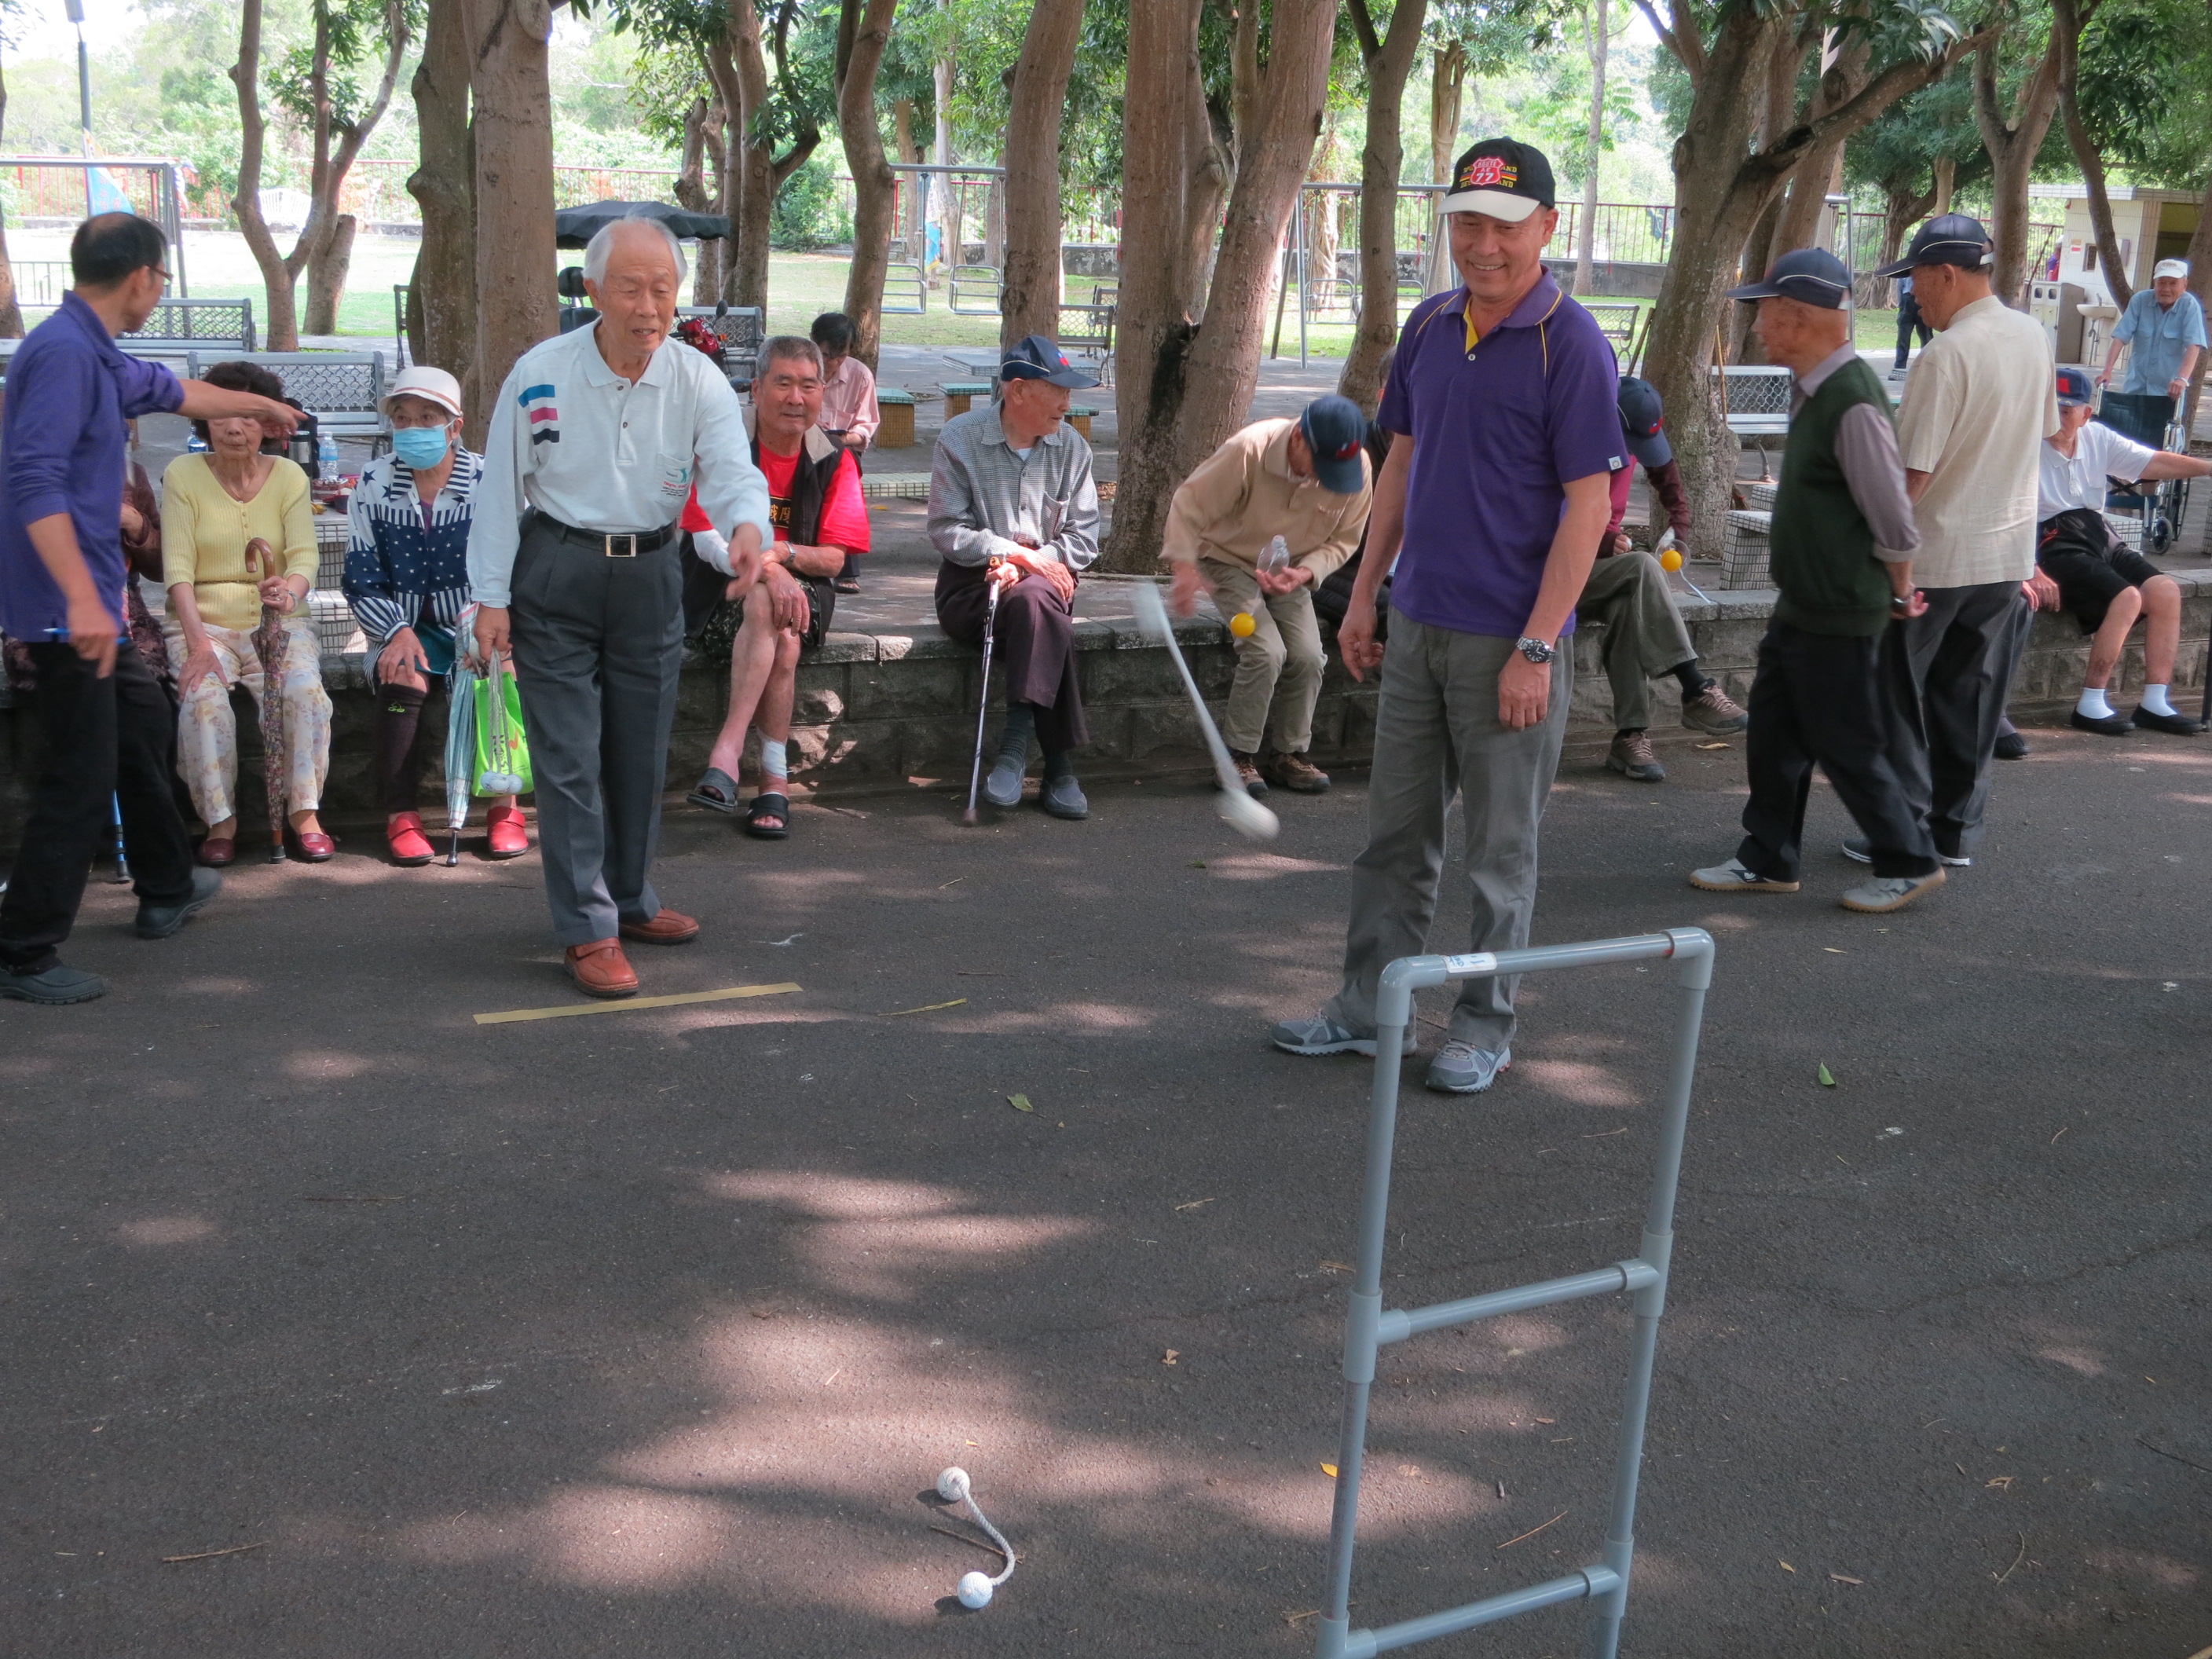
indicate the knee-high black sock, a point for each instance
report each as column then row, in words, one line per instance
column 1691, row 677
column 1014, row 738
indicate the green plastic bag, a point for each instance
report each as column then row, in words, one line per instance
column 502, row 746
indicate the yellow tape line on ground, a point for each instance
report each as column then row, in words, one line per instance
column 634, row 1002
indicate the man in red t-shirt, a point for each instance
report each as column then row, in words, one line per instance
column 819, row 518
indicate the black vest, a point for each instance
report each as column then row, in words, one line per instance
column 819, row 458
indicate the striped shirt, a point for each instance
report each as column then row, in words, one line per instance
column 407, row 561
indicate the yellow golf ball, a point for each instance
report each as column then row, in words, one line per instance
column 1671, row 559
column 1241, row 624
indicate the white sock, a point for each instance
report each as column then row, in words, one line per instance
column 2153, row 699
column 773, row 761
column 2093, row 703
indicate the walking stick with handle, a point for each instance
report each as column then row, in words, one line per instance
column 983, row 699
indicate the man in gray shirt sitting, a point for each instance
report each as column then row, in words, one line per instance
column 1012, row 505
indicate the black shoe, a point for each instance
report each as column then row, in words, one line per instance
column 160, row 920
column 2010, row 746
column 54, row 988
column 2110, row 726
column 2180, row 725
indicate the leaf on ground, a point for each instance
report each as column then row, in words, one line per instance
column 1827, row 1079
column 1845, row 1578
column 1170, row 1356
column 1020, row 1103
column 1197, row 1203
column 1329, row 1469
column 1712, row 745
column 1786, row 1567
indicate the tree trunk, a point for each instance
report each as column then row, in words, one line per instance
column 2012, row 145
column 915, row 242
column 740, row 73
column 1586, row 232
column 444, row 186
column 701, row 123
column 1029, row 290
column 282, row 332
column 1947, row 174
column 952, row 236
column 864, row 30
column 1448, row 79
column 1209, row 373
column 1390, row 61
column 324, row 251
column 1843, row 74
column 516, row 305
column 11, row 313
column 2067, row 19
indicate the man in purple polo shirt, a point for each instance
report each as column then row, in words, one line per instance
column 1492, row 502
column 108, row 730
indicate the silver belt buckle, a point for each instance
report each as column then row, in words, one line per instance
column 614, row 551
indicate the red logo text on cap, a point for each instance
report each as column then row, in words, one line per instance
column 1489, row 172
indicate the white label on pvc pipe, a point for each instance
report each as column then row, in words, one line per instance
column 1482, row 962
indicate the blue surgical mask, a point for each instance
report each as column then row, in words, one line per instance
column 420, row 446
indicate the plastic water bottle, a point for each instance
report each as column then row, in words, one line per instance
column 327, row 459
column 1275, row 557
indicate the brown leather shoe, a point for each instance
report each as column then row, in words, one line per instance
column 1296, row 773
column 666, row 928
column 600, row 968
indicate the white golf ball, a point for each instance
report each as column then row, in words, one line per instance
column 975, row 1590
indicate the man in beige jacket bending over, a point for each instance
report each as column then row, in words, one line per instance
column 1305, row 481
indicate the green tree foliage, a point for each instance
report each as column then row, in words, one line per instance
column 2146, row 89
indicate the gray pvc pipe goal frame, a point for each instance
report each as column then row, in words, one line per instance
column 1368, row 1325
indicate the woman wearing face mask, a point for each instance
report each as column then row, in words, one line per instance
column 407, row 579
column 213, row 505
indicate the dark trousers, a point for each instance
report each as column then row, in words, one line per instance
column 402, row 756
column 1816, row 701
column 1945, row 677
column 1034, row 640
column 112, row 739
column 597, row 644
column 1910, row 323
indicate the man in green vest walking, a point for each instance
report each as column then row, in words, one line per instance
column 1842, row 543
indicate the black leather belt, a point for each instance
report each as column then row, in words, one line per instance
column 618, row 544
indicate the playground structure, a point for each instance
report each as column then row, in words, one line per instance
column 66, row 189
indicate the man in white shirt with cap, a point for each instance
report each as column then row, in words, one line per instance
column 598, row 438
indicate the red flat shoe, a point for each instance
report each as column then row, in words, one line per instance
column 218, row 851
column 505, row 836
column 314, row 846
column 409, row 845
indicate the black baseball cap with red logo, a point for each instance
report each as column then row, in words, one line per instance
column 1502, row 178
column 1335, row 431
column 1037, row 358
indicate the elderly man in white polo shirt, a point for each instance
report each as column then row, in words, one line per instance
column 598, row 438
column 1977, row 405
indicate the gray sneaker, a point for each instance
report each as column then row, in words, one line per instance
column 52, row 987
column 1736, row 877
column 1460, row 1068
column 1714, row 712
column 162, row 920
column 1883, row 894
column 1063, row 797
column 1002, row 784
column 1322, row 1036
column 1859, row 850
column 1631, row 755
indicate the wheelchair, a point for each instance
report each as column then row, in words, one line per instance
column 2149, row 418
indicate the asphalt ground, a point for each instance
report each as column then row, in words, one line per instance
column 642, row 1332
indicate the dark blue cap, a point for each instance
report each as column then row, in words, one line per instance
column 1642, row 420
column 1037, row 358
column 2074, row 388
column 1948, row 239
column 1810, row 276
column 1335, row 431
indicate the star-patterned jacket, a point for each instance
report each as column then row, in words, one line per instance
column 407, row 561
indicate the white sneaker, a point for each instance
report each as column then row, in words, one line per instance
column 1883, row 894
column 1737, row 876
column 1322, row 1036
column 1460, row 1068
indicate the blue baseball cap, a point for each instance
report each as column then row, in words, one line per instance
column 1643, row 421
column 1810, row 276
column 2074, row 388
column 1037, row 358
column 1948, row 239
column 1336, row 432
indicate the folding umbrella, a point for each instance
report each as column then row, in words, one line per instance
column 270, row 643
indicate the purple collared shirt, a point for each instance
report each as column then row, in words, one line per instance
column 1498, row 432
column 62, row 444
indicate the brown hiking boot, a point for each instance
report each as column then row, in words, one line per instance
column 1714, row 711
column 1631, row 755
column 1297, row 773
column 1248, row 772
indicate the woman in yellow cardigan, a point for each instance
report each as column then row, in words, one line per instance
column 213, row 505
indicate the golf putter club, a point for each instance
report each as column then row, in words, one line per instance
column 983, row 699
column 1238, row 810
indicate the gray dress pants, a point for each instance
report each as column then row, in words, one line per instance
column 1944, row 680
column 598, row 645
column 1437, row 731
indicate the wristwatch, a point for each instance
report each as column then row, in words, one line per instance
column 1536, row 650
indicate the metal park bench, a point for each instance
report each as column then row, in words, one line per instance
column 741, row 330
column 187, row 325
column 1756, row 397
column 341, row 389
